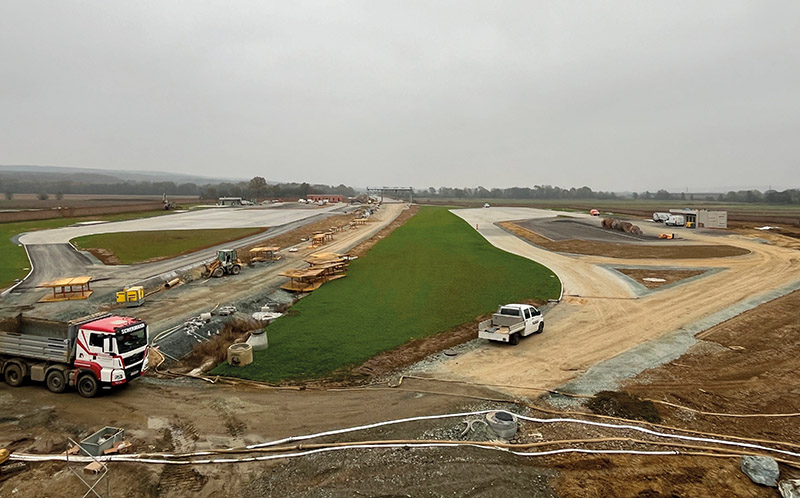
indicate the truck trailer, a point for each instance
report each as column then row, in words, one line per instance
column 511, row 322
column 101, row 351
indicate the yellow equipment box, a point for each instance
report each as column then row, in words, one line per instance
column 131, row 296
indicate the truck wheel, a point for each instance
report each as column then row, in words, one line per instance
column 55, row 381
column 14, row 376
column 218, row 272
column 514, row 339
column 87, row 386
column 541, row 328
column 236, row 269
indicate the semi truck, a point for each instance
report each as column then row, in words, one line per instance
column 100, row 351
column 511, row 322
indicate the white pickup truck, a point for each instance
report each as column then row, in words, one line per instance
column 511, row 322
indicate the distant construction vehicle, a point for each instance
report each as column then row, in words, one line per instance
column 594, row 212
column 675, row 220
column 660, row 217
column 227, row 263
column 511, row 322
column 96, row 352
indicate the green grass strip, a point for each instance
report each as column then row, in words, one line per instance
column 135, row 247
column 14, row 263
column 431, row 274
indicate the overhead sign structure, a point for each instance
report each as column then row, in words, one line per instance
column 392, row 190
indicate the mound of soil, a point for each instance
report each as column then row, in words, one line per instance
column 624, row 405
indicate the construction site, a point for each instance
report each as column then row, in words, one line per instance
column 666, row 367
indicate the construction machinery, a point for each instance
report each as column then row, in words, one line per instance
column 96, row 352
column 131, row 297
column 227, row 263
column 668, row 236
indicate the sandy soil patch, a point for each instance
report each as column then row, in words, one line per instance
column 625, row 251
column 662, row 277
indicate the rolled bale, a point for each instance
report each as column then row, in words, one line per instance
column 615, row 224
column 606, row 222
column 635, row 230
column 625, row 226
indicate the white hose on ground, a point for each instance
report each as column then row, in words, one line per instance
column 133, row 458
column 149, row 458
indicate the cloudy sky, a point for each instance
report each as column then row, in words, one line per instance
column 615, row 95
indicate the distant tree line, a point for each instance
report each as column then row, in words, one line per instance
column 535, row 192
column 790, row 196
column 255, row 188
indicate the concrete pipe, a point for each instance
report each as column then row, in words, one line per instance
column 258, row 339
column 504, row 424
column 172, row 283
column 240, row 354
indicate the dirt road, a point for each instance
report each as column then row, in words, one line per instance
column 600, row 315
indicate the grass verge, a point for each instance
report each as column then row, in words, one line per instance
column 14, row 264
column 135, row 247
column 430, row 275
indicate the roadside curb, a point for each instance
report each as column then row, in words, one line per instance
column 560, row 282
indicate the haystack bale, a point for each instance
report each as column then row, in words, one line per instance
column 625, row 226
column 635, row 230
column 606, row 222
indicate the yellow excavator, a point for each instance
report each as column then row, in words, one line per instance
column 227, row 263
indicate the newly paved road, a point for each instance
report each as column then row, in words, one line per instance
column 227, row 217
column 52, row 258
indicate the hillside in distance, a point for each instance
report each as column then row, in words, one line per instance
column 99, row 176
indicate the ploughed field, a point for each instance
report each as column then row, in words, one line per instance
column 430, row 275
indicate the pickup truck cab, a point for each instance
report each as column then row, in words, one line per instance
column 511, row 322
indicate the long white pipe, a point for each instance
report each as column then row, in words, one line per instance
column 133, row 458
column 164, row 457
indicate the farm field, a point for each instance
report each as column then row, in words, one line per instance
column 136, row 247
column 14, row 263
column 431, row 274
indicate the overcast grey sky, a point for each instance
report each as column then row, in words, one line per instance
column 616, row 95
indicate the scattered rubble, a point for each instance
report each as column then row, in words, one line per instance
column 789, row 488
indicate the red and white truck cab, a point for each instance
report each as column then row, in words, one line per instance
column 114, row 348
column 91, row 353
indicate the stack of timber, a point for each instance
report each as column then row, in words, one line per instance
column 322, row 267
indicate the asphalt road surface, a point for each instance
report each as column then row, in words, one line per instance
column 52, row 257
column 557, row 229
